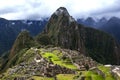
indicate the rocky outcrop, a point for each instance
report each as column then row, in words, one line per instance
column 115, row 71
column 98, row 71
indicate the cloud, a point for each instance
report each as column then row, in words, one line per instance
column 7, row 10
column 111, row 10
column 37, row 9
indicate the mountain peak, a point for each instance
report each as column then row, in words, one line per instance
column 115, row 19
column 24, row 40
column 61, row 10
column 62, row 30
column 90, row 19
column 2, row 20
column 60, row 18
column 103, row 19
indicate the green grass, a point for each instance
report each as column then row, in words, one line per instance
column 88, row 78
column 104, row 69
column 56, row 60
column 65, row 76
column 109, row 78
column 91, row 75
column 56, row 51
column 97, row 77
column 51, row 56
column 87, row 73
column 41, row 78
column 11, row 77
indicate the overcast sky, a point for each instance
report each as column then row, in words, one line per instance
column 37, row 9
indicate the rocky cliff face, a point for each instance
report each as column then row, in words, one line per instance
column 63, row 30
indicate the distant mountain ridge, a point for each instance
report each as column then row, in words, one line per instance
column 111, row 26
column 9, row 30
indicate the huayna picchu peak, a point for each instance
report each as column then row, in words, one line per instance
column 64, row 50
column 60, row 11
column 63, row 11
column 71, row 35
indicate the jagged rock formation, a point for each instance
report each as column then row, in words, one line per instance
column 62, row 30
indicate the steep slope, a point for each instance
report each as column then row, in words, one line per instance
column 64, row 31
column 112, row 27
column 24, row 40
column 9, row 30
column 7, row 36
column 101, row 46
